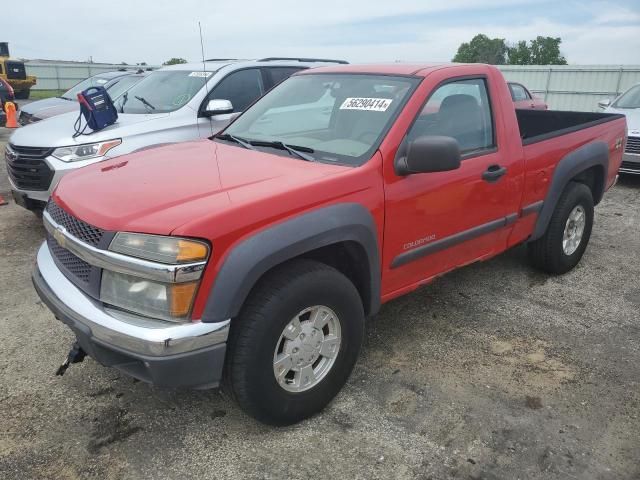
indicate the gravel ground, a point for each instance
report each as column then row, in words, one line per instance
column 493, row 371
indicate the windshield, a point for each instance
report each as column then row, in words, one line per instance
column 334, row 117
column 629, row 99
column 122, row 85
column 162, row 91
column 95, row 81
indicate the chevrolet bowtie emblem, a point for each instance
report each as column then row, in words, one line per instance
column 58, row 234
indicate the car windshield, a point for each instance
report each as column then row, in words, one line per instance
column 95, row 81
column 629, row 99
column 162, row 91
column 338, row 118
column 122, row 85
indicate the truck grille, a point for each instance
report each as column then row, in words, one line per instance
column 79, row 229
column 27, row 168
column 631, row 166
column 85, row 276
column 633, row 145
column 76, row 268
column 15, row 70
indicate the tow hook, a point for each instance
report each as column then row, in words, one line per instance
column 76, row 355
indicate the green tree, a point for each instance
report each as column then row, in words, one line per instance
column 175, row 61
column 519, row 54
column 546, row 51
column 482, row 49
column 541, row 51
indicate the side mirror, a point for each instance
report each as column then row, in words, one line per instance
column 604, row 103
column 430, row 154
column 217, row 107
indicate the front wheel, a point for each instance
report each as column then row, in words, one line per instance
column 565, row 240
column 295, row 342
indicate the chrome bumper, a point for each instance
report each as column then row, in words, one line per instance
column 157, row 339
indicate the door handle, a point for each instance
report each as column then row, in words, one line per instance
column 493, row 173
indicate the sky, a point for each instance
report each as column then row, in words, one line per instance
column 133, row 31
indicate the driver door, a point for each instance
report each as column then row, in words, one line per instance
column 438, row 221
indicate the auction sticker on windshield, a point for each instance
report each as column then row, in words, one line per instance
column 200, row 74
column 371, row 104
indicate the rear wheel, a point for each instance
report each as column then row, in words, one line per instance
column 567, row 236
column 295, row 342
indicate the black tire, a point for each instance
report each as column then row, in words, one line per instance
column 547, row 253
column 23, row 94
column 277, row 298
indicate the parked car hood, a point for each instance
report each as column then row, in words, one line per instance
column 40, row 106
column 58, row 131
column 163, row 188
column 58, row 110
column 633, row 118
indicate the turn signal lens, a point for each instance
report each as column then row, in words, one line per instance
column 181, row 296
column 189, row 251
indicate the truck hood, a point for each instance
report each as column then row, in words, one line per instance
column 58, row 131
column 160, row 189
column 633, row 118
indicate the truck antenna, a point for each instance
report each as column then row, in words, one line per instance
column 204, row 72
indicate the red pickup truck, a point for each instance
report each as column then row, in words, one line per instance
column 252, row 259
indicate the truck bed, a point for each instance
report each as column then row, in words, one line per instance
column 538, row 125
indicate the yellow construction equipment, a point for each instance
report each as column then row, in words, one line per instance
column 14, row 72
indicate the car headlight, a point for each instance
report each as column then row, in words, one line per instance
column 161, row 249
column 87, row 151
column 166, row 301
column 153, row 298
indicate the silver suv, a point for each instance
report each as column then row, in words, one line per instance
column 172, row 104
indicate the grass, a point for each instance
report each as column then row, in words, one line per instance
column 41, row 94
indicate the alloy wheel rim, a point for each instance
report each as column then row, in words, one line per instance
column 307, row 349
column 574, row 230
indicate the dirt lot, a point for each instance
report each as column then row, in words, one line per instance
column 494, row 371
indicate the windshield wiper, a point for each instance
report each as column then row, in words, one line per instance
column 145, row 102
column 296, row 150
column 238, row 140
column 125, row 97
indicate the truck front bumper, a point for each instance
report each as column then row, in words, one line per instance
column 169, row 355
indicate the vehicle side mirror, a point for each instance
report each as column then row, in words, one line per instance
column 430, row 154
column 604, row 103
column 217, row 107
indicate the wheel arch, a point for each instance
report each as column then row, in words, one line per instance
column 342, row 236
column 588, row 164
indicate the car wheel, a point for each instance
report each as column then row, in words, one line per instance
column 567, row 236
column 295, row 342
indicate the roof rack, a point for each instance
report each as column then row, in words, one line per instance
column 219, row 59
column 295, row 59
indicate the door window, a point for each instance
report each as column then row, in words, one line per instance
column 518, row 93
column 241, row 88
column 461, row 110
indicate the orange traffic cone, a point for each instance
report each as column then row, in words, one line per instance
column 10, row 110
column 3, row 201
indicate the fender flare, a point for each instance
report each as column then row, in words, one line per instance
column 588, row 156
column 256, row 255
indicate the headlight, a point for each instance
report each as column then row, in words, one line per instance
column 167, row 301
column 161, row 249
column 85, row 152
column 153, row 298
